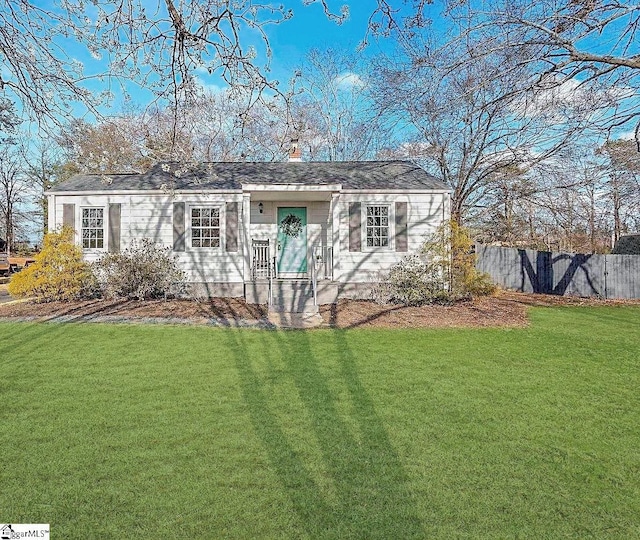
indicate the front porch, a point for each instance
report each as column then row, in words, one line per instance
column 289, row 246
column 294, row 294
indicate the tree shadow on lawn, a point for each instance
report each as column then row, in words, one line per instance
column 368, row 485
column 362, row 490
column 29, row 333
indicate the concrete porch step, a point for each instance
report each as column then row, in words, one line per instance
column 296, row 320
column 292, row 298
column 293, row 307
column 292, row 287
column 297, row 301
column 285, row 291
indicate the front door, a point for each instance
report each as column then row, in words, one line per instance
column 292, row 241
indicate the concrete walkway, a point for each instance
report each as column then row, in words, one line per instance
column 296, row 320
column 123, row 319
column 283, row 321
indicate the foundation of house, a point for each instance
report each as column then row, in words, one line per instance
column 291, row 295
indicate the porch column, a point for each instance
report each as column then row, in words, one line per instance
column 335, row 234
column 246, row 235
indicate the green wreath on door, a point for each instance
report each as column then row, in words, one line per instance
column 291, row 226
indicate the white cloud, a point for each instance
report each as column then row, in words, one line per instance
column 627, row 135
column 349, row 80
column 558, row 99
column 208, row 87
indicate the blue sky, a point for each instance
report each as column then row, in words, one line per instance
column 310, row 28
column 292, row 39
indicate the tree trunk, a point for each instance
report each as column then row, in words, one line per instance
column 615, row 196
column 8, row 227
column 456, row 212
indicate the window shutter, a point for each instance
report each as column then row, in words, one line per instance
column 401, row 227
column 355, row 224
column 69, row 216
column 178, row 227
column 231, row 227
column 114, row 228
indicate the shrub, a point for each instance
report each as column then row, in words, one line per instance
column 453, row 247
column 411, row 282
column 442, row 272
column 58, row 273
column 142, row 271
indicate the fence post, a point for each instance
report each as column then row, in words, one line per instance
column 606, row 274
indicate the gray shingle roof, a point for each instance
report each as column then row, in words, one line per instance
column 358, row 175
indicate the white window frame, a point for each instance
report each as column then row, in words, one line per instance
column 104, row 228
column 190, row 228
column 365, row 226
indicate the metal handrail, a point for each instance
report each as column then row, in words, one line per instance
column 314, row 275
column 272, row 271
column 314, row 282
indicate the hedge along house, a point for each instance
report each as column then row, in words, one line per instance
column 294, row 234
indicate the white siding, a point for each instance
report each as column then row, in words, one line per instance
column 425, row 212
column 151, row 216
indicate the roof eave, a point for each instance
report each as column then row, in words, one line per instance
column 398, row 190
column 142, row 191
column 291, row 187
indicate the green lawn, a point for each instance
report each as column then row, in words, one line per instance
column 170, row 432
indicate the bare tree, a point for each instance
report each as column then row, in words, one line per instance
column 586, row 44
column 334, row 112
column 468, row 127
column 593, row 43
column 622, row 185
column 566, row 205
column 507, row 218
column 211, row 121
column 157, row 45
column 212, row 127
column 9, row 121
column 43, row 168
column 12, row 194
column 114, row 145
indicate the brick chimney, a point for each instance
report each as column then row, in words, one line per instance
column 294, row 152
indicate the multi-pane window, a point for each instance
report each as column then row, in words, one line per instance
column 205, row 227
column 93, row 228
column 377, row 226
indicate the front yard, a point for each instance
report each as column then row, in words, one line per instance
column 112, row 431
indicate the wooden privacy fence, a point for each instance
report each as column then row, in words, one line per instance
column 577, row 274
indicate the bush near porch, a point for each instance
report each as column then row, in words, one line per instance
column 442, row 272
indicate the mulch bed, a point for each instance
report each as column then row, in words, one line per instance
column 484, row 312
column 506, row 309
column 217, row 308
